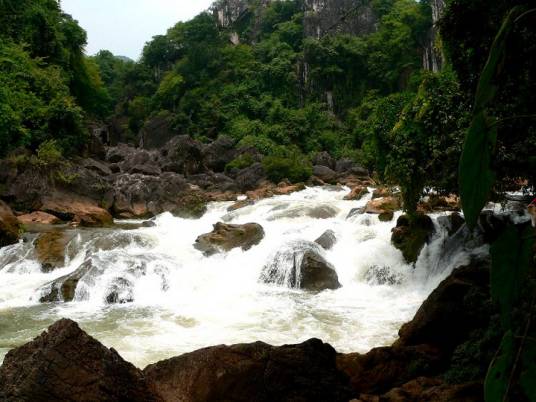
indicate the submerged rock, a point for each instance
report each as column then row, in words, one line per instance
column 50, row 249
column 66, row 364
column 323, row 211
column 9, row 226
column 252, row 372
column 382, row 275
column 120, row 292
column 327, row 240
column 64, row 288
column 301, row 265
column 356, row 193
column 225, row 237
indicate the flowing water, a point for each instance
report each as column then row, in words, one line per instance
column 180, row 300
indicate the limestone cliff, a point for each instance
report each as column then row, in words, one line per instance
column 324, row 17
column 433, row 57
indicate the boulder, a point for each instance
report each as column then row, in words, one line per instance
column 252, row 372
column 411, row 234
column 381, row 192
column 240, row 204
column 9, row 226
column 384, row 207
column 219, row 153
column 327, row 240
column 348, row 166
column 50, row 249
column 324, row 159
column 190, row 205
column 325, row 174
column 300, row 264
column 384, row 368
column 440, row 203
column 182, row 154
column 249, row 178
column 99, row 167
column 464, row 296
column 356, row 193
column 64, row 288
column 84, row 211
column 66, row 364
column 213, row 182
column 38, row 217
column 157, row 130
column 226, row 237
column 119, row 153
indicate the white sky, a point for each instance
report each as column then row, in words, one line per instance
column 123, row 26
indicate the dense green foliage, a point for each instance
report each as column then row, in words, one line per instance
column 47, row 85
column 513, row 272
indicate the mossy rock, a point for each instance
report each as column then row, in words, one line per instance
column 191, row 205
column 411, row 234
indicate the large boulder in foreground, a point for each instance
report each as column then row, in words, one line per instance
column 9, row 226
column 300, row 264
column 66, row 364
column 226, row 237
column 252, row 372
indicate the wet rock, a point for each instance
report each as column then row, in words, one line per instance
column 411, row 234
column 323, row 211
column 439, row 203
column 356, row 193
column 465, row 296
column 120, row 240
column 219, row 153
column 240, row 204
column 226, row 237
column 327, row 240
column 382, row 275
column 65, row 364
column 300, row 264
column 190, row 205
column 381, row 192
column 9, row 226
column 325, row 174
column 84, row 211
column 64, row 288
column 384, row 207
column 355, row 211
column 324, row 159
column 50, row 249
column 40, row 218
column 252, row 372
column 452, row 222
column 120, row 292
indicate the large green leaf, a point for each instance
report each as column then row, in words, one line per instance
column 498, row 376
column 511, row 254
column 527, row 378
column 476, row 174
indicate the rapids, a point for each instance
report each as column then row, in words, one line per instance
column 184, row 301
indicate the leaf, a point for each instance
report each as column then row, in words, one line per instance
column 528, row 370
column 496, row 383
column 511, row 254
column 476, row 175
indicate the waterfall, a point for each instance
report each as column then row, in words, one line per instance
column 150, row 294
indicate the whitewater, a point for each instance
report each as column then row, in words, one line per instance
column 181, row 301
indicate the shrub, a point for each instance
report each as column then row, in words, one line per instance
column 296, row 169
column 49, row 154
column 240, row 162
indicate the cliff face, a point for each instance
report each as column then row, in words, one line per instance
column 433, row 57
column 324, row 17
column 321, row 17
